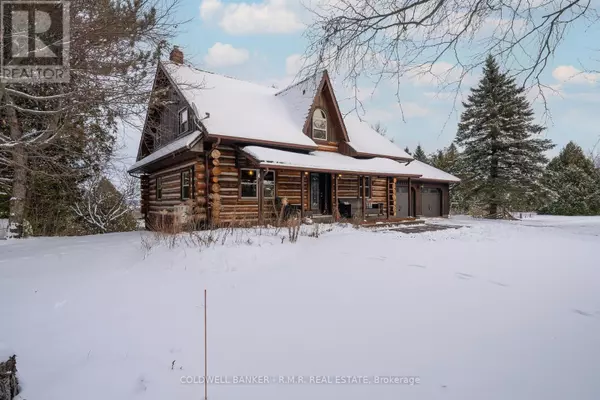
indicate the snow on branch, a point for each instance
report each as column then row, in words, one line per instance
column 102, row 204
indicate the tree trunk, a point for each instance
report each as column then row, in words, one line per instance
column 16, row 215
column 19, row 193
column 493, row 201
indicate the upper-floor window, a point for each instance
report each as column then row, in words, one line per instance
column 319, row 125
column 183, row 121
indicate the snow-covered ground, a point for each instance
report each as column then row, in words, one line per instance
column 493, row 310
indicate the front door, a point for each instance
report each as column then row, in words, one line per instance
column 320, row 193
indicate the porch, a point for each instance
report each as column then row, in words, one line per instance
column 259, row 186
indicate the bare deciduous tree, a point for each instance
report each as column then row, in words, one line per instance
column 103, row 206
column 440, row 40
column 114, row 47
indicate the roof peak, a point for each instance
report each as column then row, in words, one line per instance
column 290, row 87
column 204, row 71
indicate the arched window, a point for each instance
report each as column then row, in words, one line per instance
column 319, row 125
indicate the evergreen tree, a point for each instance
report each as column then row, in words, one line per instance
column 420, row 154
column 503, row 160
column 574, row 183
column 406, row 149
column 445, row 159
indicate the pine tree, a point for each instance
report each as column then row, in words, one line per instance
column 407, row 150
column 574, row 183
column 503, row 160
column 420, row 154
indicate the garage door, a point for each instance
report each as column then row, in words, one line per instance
column 432, row 202
column 402, row 199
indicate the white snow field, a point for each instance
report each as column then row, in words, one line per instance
column 492, row 310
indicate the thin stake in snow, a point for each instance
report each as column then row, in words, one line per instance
column 205, row 349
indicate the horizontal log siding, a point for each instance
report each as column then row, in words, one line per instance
column 348, row 186
column 288, row 185
column 171, row 189
column 145, row 194
column 379, row 192
column 200, row 209
column 233, row 209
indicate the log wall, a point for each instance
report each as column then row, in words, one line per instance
column 171, row 191
column 226, row 206
column 145, row 194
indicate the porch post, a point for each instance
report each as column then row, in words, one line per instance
column 387, row 195
column 410, row 198
column 364, row 195
column 301, row 194
column 261, row 177
column 336, row 212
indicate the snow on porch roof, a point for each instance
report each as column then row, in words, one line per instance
column 178, row 145
column 327, row 162
column 239, row 110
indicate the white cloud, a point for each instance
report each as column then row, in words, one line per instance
column 570, row 74
column 225, row 55
column 293, row 64
column 270, row 16
column 413, row 110
column 208, row 8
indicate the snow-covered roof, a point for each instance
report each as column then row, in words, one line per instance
column 428, row 172
column 366, row 141
column 239, row 110
column 326, row 161
column 299, row 98
column 183, row 143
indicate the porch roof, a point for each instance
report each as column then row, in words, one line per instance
column 181, row 144
column 325, row 161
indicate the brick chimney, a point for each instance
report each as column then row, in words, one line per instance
column 176, row 55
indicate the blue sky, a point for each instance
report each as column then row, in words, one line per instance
column 262, row 40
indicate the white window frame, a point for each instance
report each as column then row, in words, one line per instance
column 319, row 119
column 242, row 184
column 186, row 122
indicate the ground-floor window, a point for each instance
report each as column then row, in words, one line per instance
column 269, row 185
column 367, row 187
column 248, row 182
column 186, row 184
column 159, row 188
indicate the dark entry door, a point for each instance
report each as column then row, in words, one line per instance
column 320, row 193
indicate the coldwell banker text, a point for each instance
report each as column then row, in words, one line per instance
column 302, row 380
